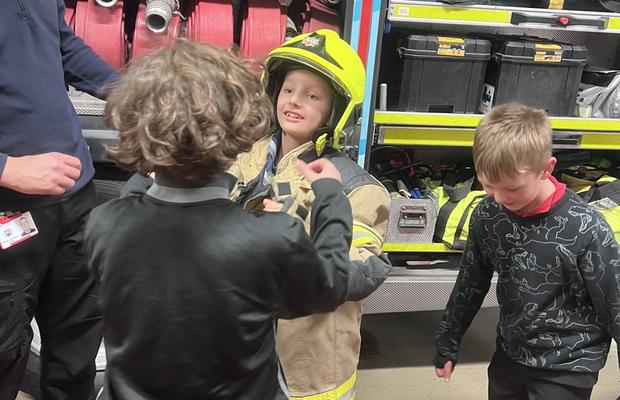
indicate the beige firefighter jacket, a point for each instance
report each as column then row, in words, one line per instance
column 319, row 353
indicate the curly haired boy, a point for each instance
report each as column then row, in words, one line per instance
column 192, row 284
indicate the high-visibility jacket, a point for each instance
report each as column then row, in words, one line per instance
column 319, row 353
column 455, row 208
column 604, row 196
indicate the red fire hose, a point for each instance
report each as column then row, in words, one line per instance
column 145, row 41
column 262, row 29
column 102, row 28
column 211, row 21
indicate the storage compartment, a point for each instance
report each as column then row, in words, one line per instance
column 412, row 221
column 539, row 74
column 443, row 73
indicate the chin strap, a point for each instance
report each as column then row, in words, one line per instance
column 322, row 139
column 320, row 143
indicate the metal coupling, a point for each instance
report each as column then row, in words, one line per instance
column 159, row 13
column 106, row 3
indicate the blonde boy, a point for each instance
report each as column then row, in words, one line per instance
column 557, row 264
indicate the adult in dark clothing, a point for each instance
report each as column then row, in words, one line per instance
column 557, row 263
column 191, row 284
column 45, row 170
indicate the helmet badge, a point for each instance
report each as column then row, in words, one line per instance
column 311, row 41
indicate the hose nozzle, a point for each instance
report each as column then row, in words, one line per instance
column 106, row 3
column 159, row 13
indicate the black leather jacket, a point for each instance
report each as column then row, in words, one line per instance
column 191, row 287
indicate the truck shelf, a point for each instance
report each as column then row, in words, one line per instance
column 403, row 11
column 457, row 130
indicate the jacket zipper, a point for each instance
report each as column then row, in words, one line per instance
column 23, row 14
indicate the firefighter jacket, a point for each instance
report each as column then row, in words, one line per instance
column 319, row 353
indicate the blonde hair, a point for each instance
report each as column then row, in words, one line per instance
column 512, row 138
column 187, row 110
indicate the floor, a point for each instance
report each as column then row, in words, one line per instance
column 400, row 365
column 396, row 360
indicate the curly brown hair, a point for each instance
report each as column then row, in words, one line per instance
column 187, row 111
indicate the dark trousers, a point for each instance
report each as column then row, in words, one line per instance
column 506, row 384
column 47, row 277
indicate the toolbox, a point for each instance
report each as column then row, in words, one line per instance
column 534, row 72
column 442, row 73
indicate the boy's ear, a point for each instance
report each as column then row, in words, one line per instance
column 549, row 166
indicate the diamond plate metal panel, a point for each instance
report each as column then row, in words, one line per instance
column 396, row 234
column 86, row 104
column 418, row 291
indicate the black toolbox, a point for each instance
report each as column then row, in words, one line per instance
column 443, row 73
column 537, row 73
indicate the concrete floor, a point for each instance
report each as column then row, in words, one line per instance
column 400, row 366
column 396, row 360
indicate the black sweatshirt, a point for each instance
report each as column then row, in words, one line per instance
column 558, row 286
column 192, row 286
column 39, row 52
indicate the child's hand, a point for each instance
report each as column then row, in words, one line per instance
column 318, row 169
column 445, row 372
column 272, row 205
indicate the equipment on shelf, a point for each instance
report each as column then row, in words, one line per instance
column 443, row 73
column 599, row 94
column 538, row 73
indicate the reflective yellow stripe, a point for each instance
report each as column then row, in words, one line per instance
column 410, row 119
column 362, row 241
column 439, row 13
column 428, row 137
column 600, row 141
column 606, row 178
column 472, row 120
column 417, row 247
column 364, row 235
column 346, row 391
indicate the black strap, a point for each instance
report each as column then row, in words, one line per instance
column 603, row 190
column 459, row 243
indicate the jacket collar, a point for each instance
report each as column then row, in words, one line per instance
column 292, row 155
column 165, row 190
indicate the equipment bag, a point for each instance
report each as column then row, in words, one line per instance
column 604, row 196
column 601, row 99
column 456, row 205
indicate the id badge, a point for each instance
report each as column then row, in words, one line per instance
column 16, row 227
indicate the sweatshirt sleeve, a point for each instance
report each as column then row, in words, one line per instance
column 600, row 269
column 316, row 269
column 83, row 68
column 472, row 285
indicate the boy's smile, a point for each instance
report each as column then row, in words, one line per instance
column 304, row 104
